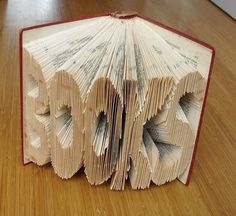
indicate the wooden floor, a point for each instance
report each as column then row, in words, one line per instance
column 33, row 190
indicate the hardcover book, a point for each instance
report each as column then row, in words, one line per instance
column 118, row 94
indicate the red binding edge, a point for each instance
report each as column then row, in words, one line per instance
column 201, row 117
column 123, row 17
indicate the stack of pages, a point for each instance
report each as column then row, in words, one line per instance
column 121, row 97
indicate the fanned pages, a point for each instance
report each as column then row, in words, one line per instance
column 119, row 96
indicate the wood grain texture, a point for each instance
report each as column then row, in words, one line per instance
column 33, row 190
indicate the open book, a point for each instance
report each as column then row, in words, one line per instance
column 119, row 95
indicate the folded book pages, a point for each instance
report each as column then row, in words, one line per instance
column 120, row 95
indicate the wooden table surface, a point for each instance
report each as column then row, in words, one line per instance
column 33, row 190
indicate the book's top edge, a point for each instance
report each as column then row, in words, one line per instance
column 123, row 15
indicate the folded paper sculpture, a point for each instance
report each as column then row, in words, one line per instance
column 117, row 94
